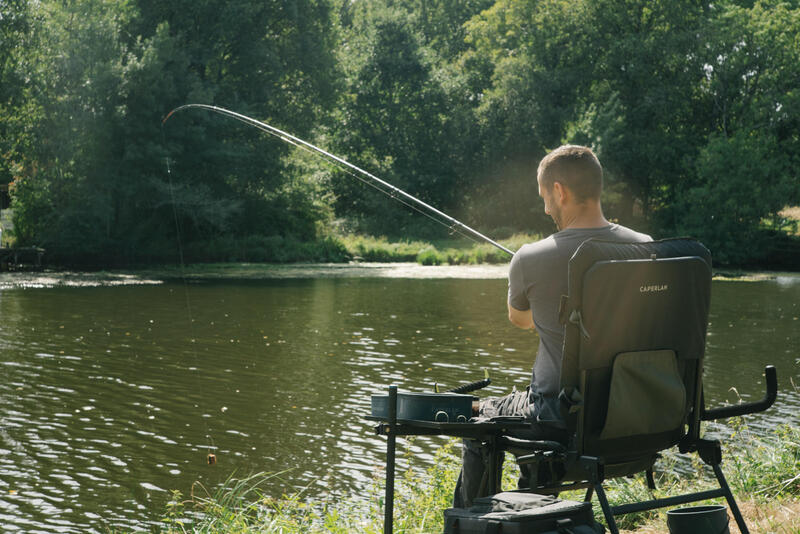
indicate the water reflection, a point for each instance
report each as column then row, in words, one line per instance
column 112, row 395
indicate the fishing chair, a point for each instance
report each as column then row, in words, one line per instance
column 632, row 377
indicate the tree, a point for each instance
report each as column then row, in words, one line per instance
column 93, row 184
column 64, row 189
column 642, row 111
column 14, row 31
column 395, row 121
column 442, row 23
column 741, row 179
column 746, row 171
column 525, row 68
column 270, row 60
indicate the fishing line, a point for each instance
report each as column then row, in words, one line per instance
column 211, row 459
column 386, row 188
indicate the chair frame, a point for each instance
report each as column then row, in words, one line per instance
column 593, row 467
column 582, row 469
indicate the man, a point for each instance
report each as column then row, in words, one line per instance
column 570, row 181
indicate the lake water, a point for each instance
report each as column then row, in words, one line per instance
column 113, row 390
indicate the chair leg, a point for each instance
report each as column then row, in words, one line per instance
column 651, row 481
column 737, row 515
column 601, row 497
column 495, row 467
column 589, row 493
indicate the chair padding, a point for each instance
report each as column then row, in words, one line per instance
column 647, row 394
column 650, row 298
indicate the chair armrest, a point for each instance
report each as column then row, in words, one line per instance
column 532, row 445
column 747, row 407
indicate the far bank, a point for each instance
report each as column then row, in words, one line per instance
column 210, row 256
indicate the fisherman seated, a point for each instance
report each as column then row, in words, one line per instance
column 570, row 181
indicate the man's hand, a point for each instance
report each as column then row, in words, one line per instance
column 521, row 318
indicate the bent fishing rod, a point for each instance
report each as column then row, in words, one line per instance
column 356, row 172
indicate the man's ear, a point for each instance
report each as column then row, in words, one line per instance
column 560, row 193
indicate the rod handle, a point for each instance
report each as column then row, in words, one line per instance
column 472, row 386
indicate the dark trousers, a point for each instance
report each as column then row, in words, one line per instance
column 473, row 480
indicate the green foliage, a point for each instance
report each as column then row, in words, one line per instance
column 431, row 253
column 646, row 66
column 381, row 249
column 762, row 469
column 273, row 249
column 91, row 185
column 14, row 29
column 429, row 256
column 767, row 468
column 741, row 179
column 452, row 101
column 394, row 122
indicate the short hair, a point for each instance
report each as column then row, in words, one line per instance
column 575, row 167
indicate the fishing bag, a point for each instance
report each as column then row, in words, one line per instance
column 522, row 513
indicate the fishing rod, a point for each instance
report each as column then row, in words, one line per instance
column 356, row 172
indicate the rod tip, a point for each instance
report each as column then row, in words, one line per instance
column 167, row 117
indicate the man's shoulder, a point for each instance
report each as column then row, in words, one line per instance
column 623, row 233
column 535, row 249
column 564, row 243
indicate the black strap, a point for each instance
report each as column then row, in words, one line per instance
column 563, row 306
column 563, row 526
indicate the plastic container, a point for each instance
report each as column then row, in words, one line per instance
column 711, row 519
column 439, row 407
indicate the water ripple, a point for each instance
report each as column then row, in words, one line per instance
column 114, row 395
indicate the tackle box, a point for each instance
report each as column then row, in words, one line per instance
column 513, row 512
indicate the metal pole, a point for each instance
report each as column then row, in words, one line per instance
column 737, row 515
column 601, row 497
column 390, row 449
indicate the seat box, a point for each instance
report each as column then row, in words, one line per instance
column 514, row 512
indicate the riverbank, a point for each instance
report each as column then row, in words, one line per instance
column 762, row 472
column 270, row 271
column 259, row 257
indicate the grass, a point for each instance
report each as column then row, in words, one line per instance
column 762, row 471
column 790, row 216
column 341, row 249
column 380, row 249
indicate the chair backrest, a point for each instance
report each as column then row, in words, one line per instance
column 635, row 327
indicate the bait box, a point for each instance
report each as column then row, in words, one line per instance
column 438, row 407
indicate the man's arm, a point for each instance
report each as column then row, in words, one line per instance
column 521, row 318
column 517, row 289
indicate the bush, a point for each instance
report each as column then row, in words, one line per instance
column 268, row 249
column 430, row 256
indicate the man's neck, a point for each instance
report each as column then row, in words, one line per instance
column 584, row 218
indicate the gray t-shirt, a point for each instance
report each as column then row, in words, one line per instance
column 537, row 278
